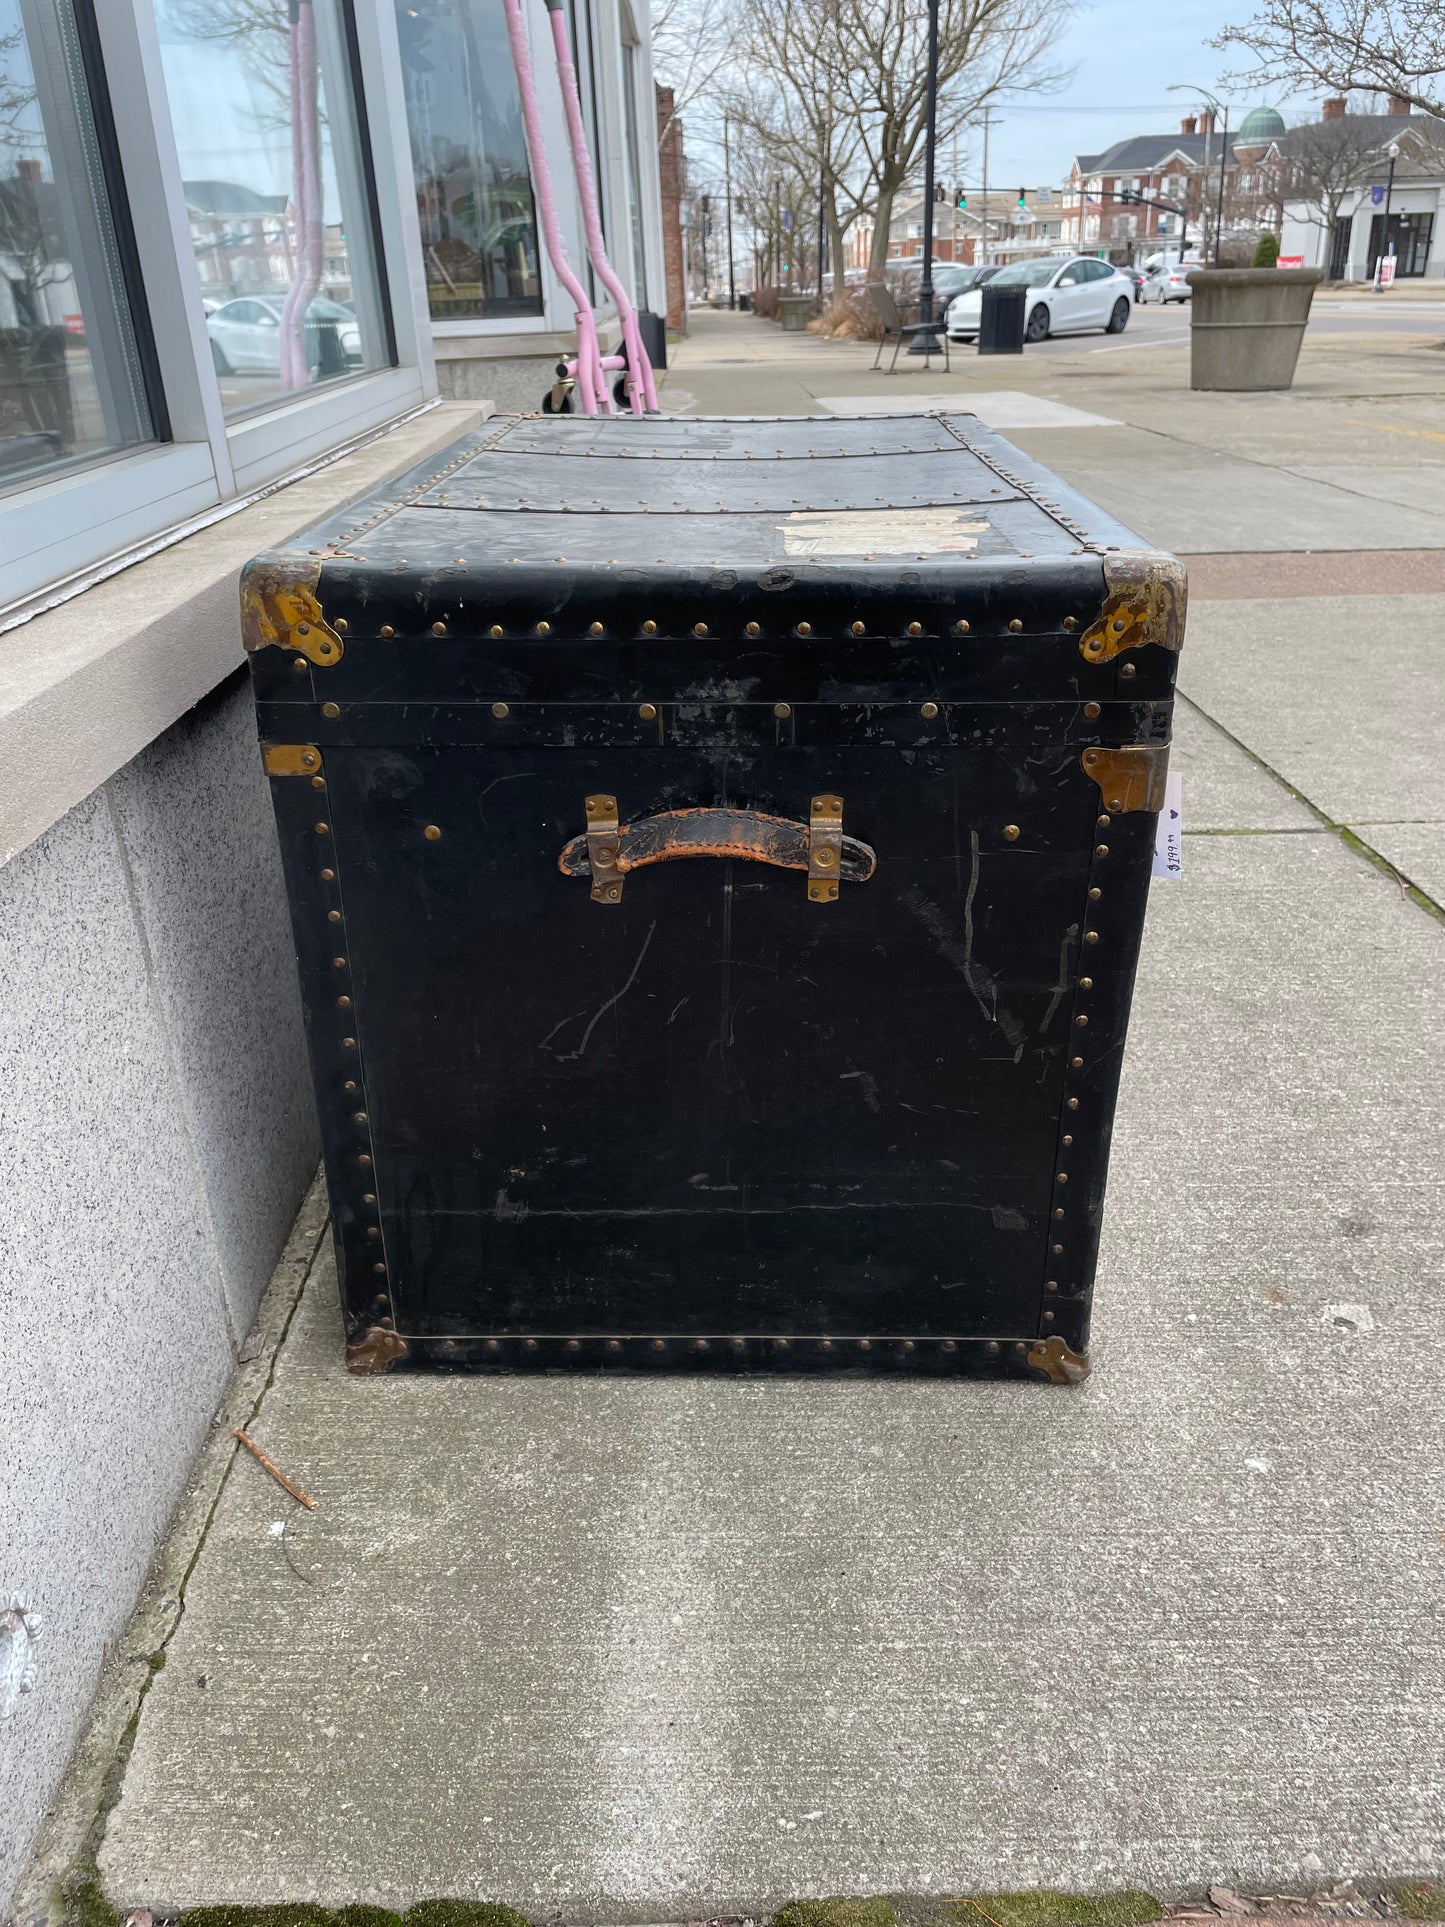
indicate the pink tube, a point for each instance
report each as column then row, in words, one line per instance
column 305, row 195
column 641, row 388
column 591, row 388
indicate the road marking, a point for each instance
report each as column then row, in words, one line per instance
column 1389, row 428
column 998, row 407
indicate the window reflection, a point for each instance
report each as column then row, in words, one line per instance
column 275, row 194
column 469, row 155
column 70, row 380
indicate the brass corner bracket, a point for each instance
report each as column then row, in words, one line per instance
column 1131, row 778
column 1058, row 1361
column 1144, row 601
column 375, row 1352
column 279, row 609
column 291, row 759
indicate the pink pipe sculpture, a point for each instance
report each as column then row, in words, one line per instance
column 588, row 368
column 305, row 195
column 641, row 391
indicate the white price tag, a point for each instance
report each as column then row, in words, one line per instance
column 1169, row 834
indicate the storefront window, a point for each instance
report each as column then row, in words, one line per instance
column 469, row 156
column 276, row 194
column 70, row 375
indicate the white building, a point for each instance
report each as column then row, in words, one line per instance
column 1348, row 246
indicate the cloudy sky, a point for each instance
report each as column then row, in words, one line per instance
column 1124, row 53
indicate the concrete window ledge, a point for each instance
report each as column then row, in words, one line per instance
column 86, row 686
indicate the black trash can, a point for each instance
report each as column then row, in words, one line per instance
column 1001, row 319
column 717, row 876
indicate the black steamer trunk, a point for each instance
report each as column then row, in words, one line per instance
column 718, row 851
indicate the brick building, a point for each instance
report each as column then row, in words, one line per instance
column 672, row 178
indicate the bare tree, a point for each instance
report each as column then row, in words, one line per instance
column 1323, row 163
column 692, row 41
column 877, row 52
column 1378, row 46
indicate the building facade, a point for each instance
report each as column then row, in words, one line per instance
column 1349, row 205
column 254, row 257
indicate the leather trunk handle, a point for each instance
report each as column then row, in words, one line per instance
column 607, row 852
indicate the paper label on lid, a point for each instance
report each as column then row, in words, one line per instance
column 915, row 532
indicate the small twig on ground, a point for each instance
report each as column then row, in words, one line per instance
column 304, row 1498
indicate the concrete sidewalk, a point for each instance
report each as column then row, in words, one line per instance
column 1351, row 459
column 661, row 1650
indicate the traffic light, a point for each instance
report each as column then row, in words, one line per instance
column 940, row 194
column 1023, row 201
column 962, row 202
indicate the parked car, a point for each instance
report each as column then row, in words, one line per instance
column 246, row 334
column 1164, row 285
column 1066, row 293
column 1137, row 278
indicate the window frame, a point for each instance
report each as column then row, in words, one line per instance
column 74, row 518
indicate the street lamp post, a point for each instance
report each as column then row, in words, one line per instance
column 1393, row 151
column 728, row 191
column 926, row 342
column 1217, row 107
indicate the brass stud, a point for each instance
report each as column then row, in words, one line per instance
column 1102, row 821
column 338, row 963
column 382, row 1270
column 1101, row 849
column 1091, row 710
column 299, row 665
column 753, row 629
column 303, row 628
column 782, row 711
column 595, row 629
column 1058, row 1211
column 323, row 829
column 574, row 1344
column 1058, row 1250
column 333, row 916
column 496, row 632
column 1118, row 625
column 614, row 1344
column 544, row 628
column 1068, row 1138
column 328, row 876
column 331, row 709
column 928, row 711
column 1072, row 1103
column 372, row 1231
column 949, row 1345
column 439, row 628
column 858, row 628
column 649, row 628
column 432, row 833
column 1015, row 626
column 915, row 628
column 1071, row 622
column 1048, row 1318
column 343, row 1003
column 1095, row 893
column 364, row 1158
column 657, row 1344
column 1126, row 669
column 1011, row 832
column 865, row 1345
column 341, row 625
column 501, row 711
column 805, row 628
column 992, row 1345
column 1091, row 936
column 960, row 628
column 494, row 1344
column 1086, row 983
column 387, row 632
column 318, row 782
column 359, row 1117
column 1061, row 1177
column 529, row 1344
column 1052, row 1284
column 648, row 712
column 1081, row 1020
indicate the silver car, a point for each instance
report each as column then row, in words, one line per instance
column 246, row 334
column 1065, row 293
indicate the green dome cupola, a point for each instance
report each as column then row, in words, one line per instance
column 1261, row 125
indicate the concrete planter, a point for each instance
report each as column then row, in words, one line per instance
column 1246, row 325
column 795, row 311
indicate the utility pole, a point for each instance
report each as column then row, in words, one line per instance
column 987, row 122
column 953, row 204
column 822, row 199
column 728, row 189
column 926, row 342
column 1219, row 211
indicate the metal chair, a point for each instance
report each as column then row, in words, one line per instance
column 896, row 329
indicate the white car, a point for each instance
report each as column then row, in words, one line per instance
column 1165, row 285
column 246, row 334
column 1065, row 292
